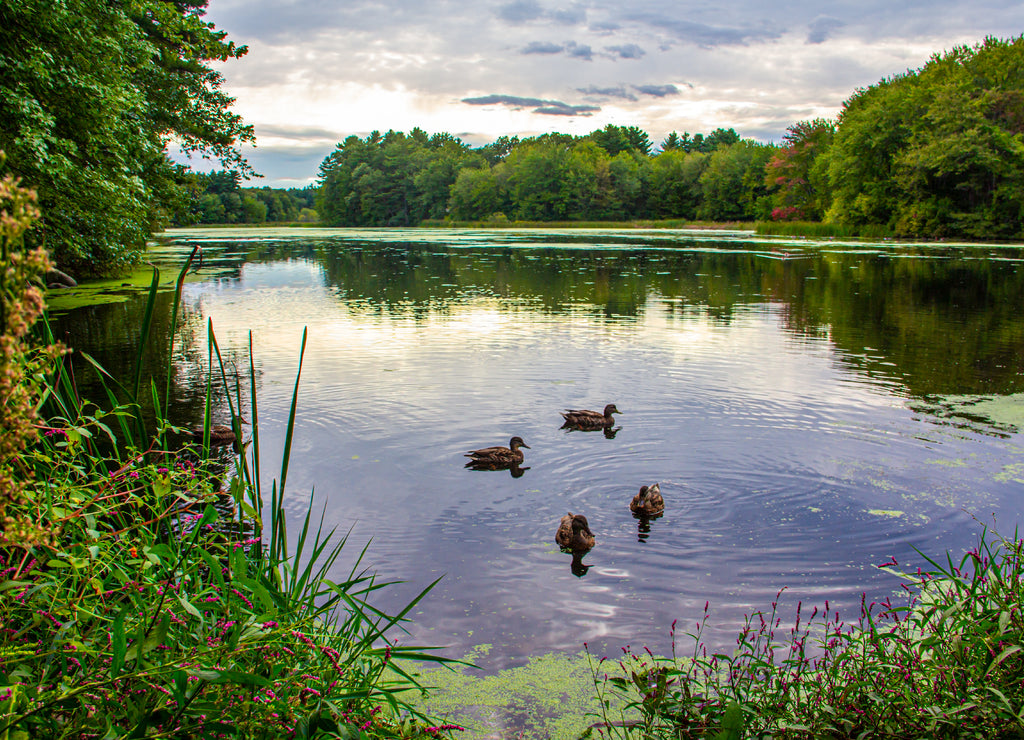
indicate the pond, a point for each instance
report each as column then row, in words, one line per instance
column 810, row 410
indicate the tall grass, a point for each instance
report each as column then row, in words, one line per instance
column 505, row 223
column 947, row 662
column 168, row 601
column 817, row 229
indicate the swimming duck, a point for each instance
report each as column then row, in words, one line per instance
column 574, row 533
column 220, row 434
column 586, row 419
column 499, row 456
column 648, row 502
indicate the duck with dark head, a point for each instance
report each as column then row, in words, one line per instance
column 585, row 419
column 649, row 503
column 498, row 458
column 574, row 533
column 221, row 435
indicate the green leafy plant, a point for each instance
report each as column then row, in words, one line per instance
column 946, row 663
column 171, row 605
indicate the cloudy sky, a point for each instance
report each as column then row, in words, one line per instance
column 320, row 70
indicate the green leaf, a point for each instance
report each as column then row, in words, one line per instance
column 187, row 606
column 119, row 643
column 732, row 723
column 152, row 640
column 218, row 676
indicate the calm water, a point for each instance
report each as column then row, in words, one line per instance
column 786, row 396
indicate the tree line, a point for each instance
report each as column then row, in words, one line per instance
column 399, row 179
column 936, row 152
column 218, row 198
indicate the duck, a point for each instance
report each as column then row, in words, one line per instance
column 574, row 533
column 498, row 456
column 586, row 419
column 221, row 435
column 648, row 502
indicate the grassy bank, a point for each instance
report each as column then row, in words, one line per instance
column 816, row 229
column 677, row 223
column 945, row 662
column 501, row 223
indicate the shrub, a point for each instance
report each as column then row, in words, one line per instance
column 947, row 663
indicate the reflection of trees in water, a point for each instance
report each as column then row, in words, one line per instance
column 937, row 320
column 110, row 333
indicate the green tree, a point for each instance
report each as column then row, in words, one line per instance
column 675, row 189
column 476, row 194
column 390, row 180
column 614, row 139
column 733, row 185
column 542, row 182
column 91, row 92
column 938, row 151
column 699, row 142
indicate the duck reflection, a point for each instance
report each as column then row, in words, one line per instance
column 643, row 526
column 609, row 432
column 578, row 567
column 515, row 469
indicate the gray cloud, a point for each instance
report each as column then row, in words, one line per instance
column 608, row 92
column 626, row 51
column 542, row 47
column 579, row 51
column 821, row 28
column 573, row 16
column 544, row 107
column 571, row 49
column 658, row 91
column 520, row 11
column 701, row 34
column 511, row 100
column 568, row 110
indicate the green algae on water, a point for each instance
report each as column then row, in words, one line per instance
column 552, row 696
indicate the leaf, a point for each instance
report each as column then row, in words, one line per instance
column 218, row 676
column 1013, row 649
column 152, row 640
column 119, row 643
column 187, row 606
column 732, row 723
